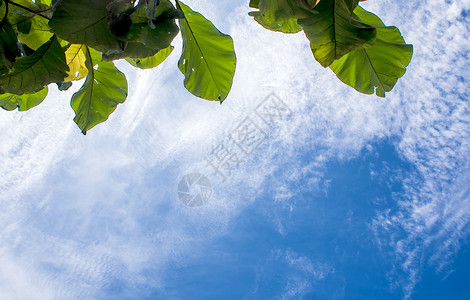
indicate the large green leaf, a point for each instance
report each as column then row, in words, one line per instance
column 208, row 60
column 153, row 61
column 336, row 31
column 33, row 30
column 84, row 22
column 22, row 102
column 105, row 87
column 31, row 73
column 378, row 67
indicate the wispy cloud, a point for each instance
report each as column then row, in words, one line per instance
column 433, row 214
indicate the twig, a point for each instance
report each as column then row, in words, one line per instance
column 27, row 9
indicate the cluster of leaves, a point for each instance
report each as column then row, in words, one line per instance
column 46, row 42
column 363, row 52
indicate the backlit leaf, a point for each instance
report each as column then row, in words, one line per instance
column 336, row 31
column 375, row 68
column 75, row 56
column 22, row 102
column 37, row 31
column 153, row 61
column 282, row 15
column 208, row 60
column 105, row 87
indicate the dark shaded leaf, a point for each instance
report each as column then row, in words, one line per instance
column 24, row 27
column 150, row 11
column 162, row 36
column 31, row 73
column 84, row 22
column 132, row 50
column 163, row 30
column 119, row 17
column 8, row 46
column 63, row 86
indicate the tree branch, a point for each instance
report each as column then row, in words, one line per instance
column 27, row 9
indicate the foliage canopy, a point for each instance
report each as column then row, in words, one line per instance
column 61, row 41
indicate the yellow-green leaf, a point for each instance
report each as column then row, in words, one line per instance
column 153, row 61
column 22, row 102
column 75, row 56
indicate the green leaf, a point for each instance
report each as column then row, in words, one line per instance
column 378, row 67
column 8, row 48
column 84, row 22
column 283, row 25
column 24, row 27
column 33, row 30
column 132, row 50
column 164, row 10
column 145, row 41
column 151, row 62
column 31, row 73
column 335, row 31
column 63, row 86
column 282, row 15
column 163, row 28
column 151, row 11
column 119, row 17
column 22, row 102
column 269, row 20
column 105, row 87
column 208, row 60
column 45, row 2
column 162, row 36
column 254, row 3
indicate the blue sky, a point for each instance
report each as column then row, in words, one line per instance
column 346, row 196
